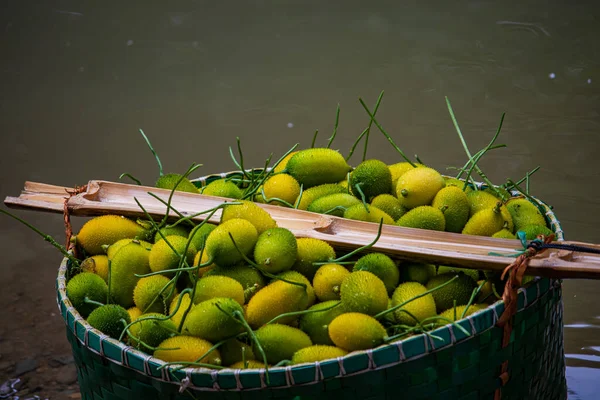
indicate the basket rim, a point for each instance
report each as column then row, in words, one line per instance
column 357, row 362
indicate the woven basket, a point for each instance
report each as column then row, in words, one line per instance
column 420, row 367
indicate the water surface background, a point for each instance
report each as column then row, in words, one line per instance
column 79, row 78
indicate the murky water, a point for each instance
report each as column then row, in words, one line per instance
column 80, row 78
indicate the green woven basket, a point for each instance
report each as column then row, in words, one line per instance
column 459, row 366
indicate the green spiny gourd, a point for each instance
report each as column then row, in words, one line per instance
column 168, row 181
column 454, row 204
column 421, row 308
column 221, row 250
column 381, row 266
column 166, row 253
column 316, row 323
column 154, row 294
column 223, row 188
column 178, row 230
column 187, row 349
column 460, row 290
column 281, row 186
column 214, row 319
column 233, row 351
column 311, row 194
column 317, row 166
column 485, row 222
column 328, row 281
column 97, row 264
column 149, row 330
column 312, row 251
column 372, row 178
column 416, row 272
column 316, row 353
column 109, row 319
column 418, row 186
column 364, row 292
column 251, row 212
column 374, row 214
column 200, row 234
column 250, row 278
column 390, row 205
column 280, row 342
column 276, row 250
column 209, row 287
column 131, row 260
column 86, row 286
column 106, row 230
column 398, row 169
column 524, row 213
column 355, row 331
column 423, row 217
column 333, row 204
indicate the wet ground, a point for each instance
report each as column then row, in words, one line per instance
column 80, row 78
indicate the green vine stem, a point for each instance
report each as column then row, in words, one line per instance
column 371, row 124
column 271, row 199
column 295, row 313
column 160, row 167
column 314, row 139
column 355, row 251
column 388, row 137
column 335, row 127
column 133, row 178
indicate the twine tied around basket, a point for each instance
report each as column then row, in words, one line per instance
column 67, row 217
column 516, row 272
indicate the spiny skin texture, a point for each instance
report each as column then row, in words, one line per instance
column 96, row 264
column 187, row 348
column 328, row 281
column 416, row 272
column 106, row 230
column 310, row 251
column 480, row 200
column 280, row 342
column 316, row 353
column 295, row 276
column 86, row 284
column 364, row 292
column 389, row 205
column 328, row 203
column 398, row 169
column 183, row 306
column 251, row 212
column 459, row 184
column 109, row 319
column 132, row 259
column 116, row 246
column 421, row 308
column 311, row 194
column 418, row 186
column 532, row 231
column 504, row 234
column 209, row 287
column 524, row 213
column 233, row 351
column 454, row 204
column 316, row 166
column 177, row 230
column 222, row 188
column 473, row 273
column 359, row 213
column 276, row 250
column 316, row 324
column 162, row 257
column 150, row 330
column 134, row 313
column 381, row 266
column 373, row 177
column 205, row 320
column 484, row 223
column 423, row 217
column 473, row 308
column 277, row 298
column 356, row 331
column 168, row 181
column 459, row 290
column 281, row 186
column 220, row 248
column 281, row 166
column 148, row 288
column 247, row 277
column 200, row 234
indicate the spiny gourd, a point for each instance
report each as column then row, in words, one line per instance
column 86, row 285
column 283, row 163
column 398, row 169
column 168, row 181
column 418, row 186
column 233, row 351
column 316, row 166
column 316, row 353
column 198, row 235
column 178, row 230
column 116, row 246
column 524, row 213
column 355, row 331
column 454, row 204
column 333, row 204
column 223, row 188
column 134, row 313
column 131, row 259
column 459, row 184
column 359, row 212
column 280, row 342
column 209, row 287
column 109, row 319
column 251, row 212
column 364, row 292
column 371, row 177
column 381, row 266
column 250, row 279
column 423, row 217
column 460, row 290
column 389, row 205
column 421, row 308
column 295, row 276
column 248, row 364
column 311, row 194
column 311, row 251
column 97, row 264
column 213, row 319
column 179, row 306
column 221, row 250
column 473, row 273
column 149, row 330
column 532, row 231
column 106, row 230
column 187, row 349
column 316, row 322
column 281, row 186
column 485, row 222
column 480, row 200
column 275, row 299
column 165, row 254
column 416, row 272
column 328, row 281
column 276, row 250
column 504, row 234
column 154, row 294
column 454, row 314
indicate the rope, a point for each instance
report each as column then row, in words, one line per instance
column 515, row 272
column 67, row 217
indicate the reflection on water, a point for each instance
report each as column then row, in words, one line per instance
column 196, row 76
